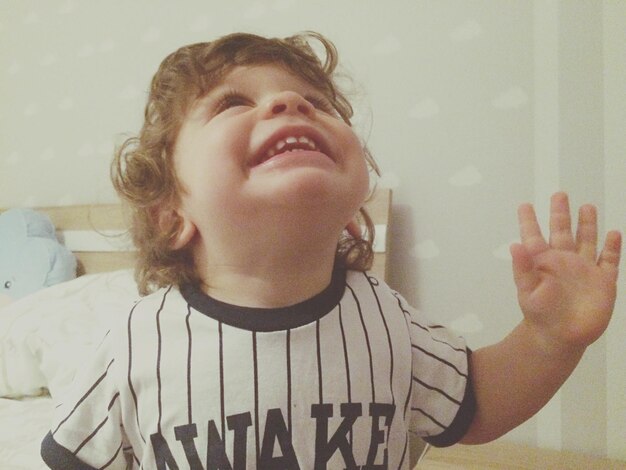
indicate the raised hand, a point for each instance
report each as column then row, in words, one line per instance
column 565, row 290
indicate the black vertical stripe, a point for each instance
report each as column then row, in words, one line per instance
column 112, row 458
column 426, row 328
column 407, row 318
column 189, row 348
column 103, row 340
column 158, row 362
column 367, row 341
column 373, row 283
column 84, row 397
column 93, row 433
column 130, row 367
column 319, row 362
column 114, row 400
column 437, row 390
column 346, row 361
column 408, row 397
column 406, row 446
column 288, row 348
column 440, row 359
column 345, row 354
column 256, row 394
column 432, row 418
column 222, row 393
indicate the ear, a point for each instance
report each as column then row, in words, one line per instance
column 186, row 229
column 354, row 229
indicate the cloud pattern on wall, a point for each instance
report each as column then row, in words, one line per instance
column 89, row 147
column 468, row 176
column 467, row 31
column 512, row 98
column 387, row 46
column 425, row 109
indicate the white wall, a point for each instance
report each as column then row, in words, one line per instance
column 614, row 36
column 470, row 107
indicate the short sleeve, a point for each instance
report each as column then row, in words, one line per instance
column 442, row 396
column 87, row 431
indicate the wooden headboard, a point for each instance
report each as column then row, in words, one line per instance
column 379, row 209
column 97, row 234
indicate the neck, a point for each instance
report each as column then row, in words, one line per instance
column 270, row 274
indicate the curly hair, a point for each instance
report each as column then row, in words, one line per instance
column 142, row 170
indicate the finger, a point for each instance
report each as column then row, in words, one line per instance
column 530, row 232
column 525, row 276
column 611, row 252
column 587, row 232
column 560, row 223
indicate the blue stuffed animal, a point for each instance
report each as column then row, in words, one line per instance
column 31, row 256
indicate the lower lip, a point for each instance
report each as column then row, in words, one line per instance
column 298, row 158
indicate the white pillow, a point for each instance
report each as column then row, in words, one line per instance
column 45, row 336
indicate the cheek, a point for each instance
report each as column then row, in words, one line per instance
column 356, row 155
column 208, row 160
column 357, row 167
column 364, row 177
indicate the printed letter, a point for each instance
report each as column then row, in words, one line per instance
column 240, row 424
column 275, row 428
column 162, row 453
column 216, row 453
column 378, row 436
column 325, row 448
column 186, row 434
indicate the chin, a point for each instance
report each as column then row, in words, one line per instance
column 313, row 188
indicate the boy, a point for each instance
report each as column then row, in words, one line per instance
column 266, row 344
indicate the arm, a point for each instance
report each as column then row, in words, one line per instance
column 86, row 432
column 566, row 294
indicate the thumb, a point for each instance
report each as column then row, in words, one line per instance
column 524, row 273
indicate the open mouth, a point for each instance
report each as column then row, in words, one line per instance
column 292, row 143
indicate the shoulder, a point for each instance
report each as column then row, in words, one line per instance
column 164, row 299
column 369, row 292
column 160, row 297
column 367, row 283
column 364, row 279
column 140, row 317
column 366, row 286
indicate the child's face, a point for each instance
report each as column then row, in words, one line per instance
column 262, row 141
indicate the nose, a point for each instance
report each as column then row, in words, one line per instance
column 288, row 102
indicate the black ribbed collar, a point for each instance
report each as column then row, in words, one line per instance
column 269, row 319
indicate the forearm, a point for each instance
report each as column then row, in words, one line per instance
column 514, row 379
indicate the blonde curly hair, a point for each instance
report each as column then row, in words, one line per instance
column 142, row 170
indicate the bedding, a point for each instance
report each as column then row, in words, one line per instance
column 23, row 423
column 45, row 336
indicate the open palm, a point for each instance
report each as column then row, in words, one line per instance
column 565, row 289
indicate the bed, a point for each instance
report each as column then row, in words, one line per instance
column 45, row 336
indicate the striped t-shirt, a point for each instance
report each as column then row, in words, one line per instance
column 342, row 380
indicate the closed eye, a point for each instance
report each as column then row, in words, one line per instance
column 321, row 103
column 231, row 100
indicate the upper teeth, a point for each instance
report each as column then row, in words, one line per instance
column 291, row 143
